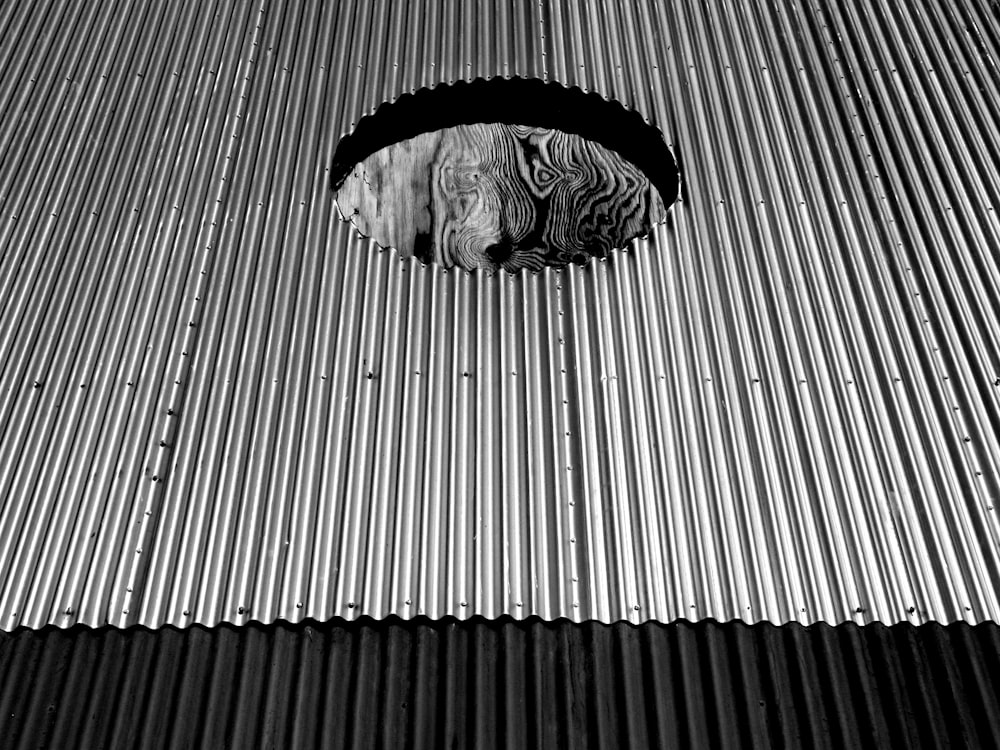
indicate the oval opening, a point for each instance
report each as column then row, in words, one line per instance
column 505, row 173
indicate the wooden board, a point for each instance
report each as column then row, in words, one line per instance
column 500, row 196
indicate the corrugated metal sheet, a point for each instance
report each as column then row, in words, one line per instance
column 515, row 684
column 784, row 405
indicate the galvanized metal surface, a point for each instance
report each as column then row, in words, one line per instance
column 218, row 405
column 513, row 684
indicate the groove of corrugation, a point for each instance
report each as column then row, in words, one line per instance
column 216, row 404
column 478, row 683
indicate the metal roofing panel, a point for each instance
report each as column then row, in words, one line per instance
column 476, row 683
column 216, row 404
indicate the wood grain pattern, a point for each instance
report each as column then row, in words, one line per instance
column 497, row 196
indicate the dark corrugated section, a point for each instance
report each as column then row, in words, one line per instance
column 505, row 683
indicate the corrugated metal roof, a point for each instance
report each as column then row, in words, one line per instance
column 782, row 406
column 435, row 684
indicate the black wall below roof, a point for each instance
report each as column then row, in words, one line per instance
column 506, row 683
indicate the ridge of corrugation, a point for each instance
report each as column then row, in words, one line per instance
column 217, row 404
column 502, row 683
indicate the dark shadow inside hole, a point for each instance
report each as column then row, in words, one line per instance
column 482, row 175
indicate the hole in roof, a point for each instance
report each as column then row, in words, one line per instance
column 504, row 174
